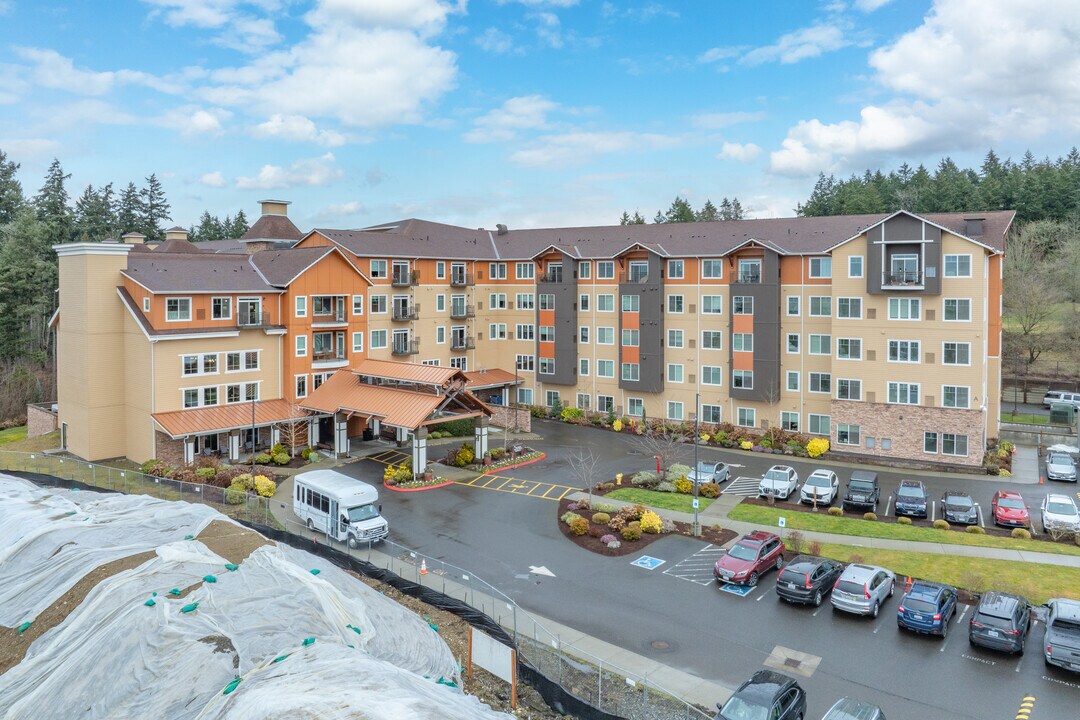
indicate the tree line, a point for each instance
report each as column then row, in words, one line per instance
column 681, row 211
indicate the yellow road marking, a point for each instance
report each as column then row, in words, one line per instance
column 516, row 486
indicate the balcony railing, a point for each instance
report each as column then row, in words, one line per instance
column 337, row 316
column 550, row 277
column 404, row 278
column 405, row 314
column 407, row 347
column 460, row 312
column 253, row 319
column 750, row 278
column 461, row 279
column 462, row 342
column 328, row 355
column 638, row 278
column 904, row 278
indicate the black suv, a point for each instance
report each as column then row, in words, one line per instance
column 1001, row 622
column 863, row 492
column 807, row 579
column 911, row 499
column 767, row 694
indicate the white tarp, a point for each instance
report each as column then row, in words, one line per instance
column 115, row 657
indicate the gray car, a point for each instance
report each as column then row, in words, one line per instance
column 1061, row 642
column 863, row 589
column 851, row 709
column 1060, row 466
column 716, row 472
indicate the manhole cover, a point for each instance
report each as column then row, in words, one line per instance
column 792, row 663
column 660, row 645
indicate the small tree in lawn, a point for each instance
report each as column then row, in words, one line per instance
column 294, row 431
column 583, row 468
column 556, row 408
column 664, row 442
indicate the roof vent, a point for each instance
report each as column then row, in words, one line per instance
column 274, row 207
column 502, row 229
column 973, row 227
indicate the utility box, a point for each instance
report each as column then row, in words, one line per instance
column 1062, row 414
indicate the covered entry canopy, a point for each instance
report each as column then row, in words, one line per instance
column 223, row 418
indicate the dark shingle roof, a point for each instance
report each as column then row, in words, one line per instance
column 176, row 245
column 227, row 245
column 271, row 228
column 280, row 267
column 160, row 271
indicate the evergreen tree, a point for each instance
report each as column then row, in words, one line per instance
column 708, row 212
column 679, row 212
column 11, row 195
column 155, row 208
column 821, row 198
column 624, row 219
column 51, row 205
column 130, row 213
column 635, row 219
column 209, row 228
column 731, row 209
column 94, row 220
column 28, row 276
column 239, row 226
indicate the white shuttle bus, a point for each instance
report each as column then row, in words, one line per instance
column 340, row 506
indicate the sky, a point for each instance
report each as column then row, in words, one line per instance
column 530, row 113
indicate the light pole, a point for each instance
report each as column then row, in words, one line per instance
column 253, row 436
column 697, row 438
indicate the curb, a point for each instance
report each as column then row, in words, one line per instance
column 511, row 467
column 419, row 489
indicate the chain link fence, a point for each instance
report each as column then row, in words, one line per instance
column 610, row 689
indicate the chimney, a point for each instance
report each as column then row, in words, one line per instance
column 176, row 233
column 274, row 207
column 502, row 229
column 133, row 238
column 973, row 227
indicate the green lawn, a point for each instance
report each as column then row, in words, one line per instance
column 823, row 522
column 1036, row 582
column 651, row 498
column 11, row 435
column 1025, row 418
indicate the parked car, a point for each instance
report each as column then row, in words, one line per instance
column 748, row 559
column 1000, row 622
column 821, row 486
column 1060, row 466
column 927, row 608
column 863, row 491
column 1010, row 509
column 1059, row 513
column 808, row 579
column 911, row 499
column 779, row 480
column 767, row 695
column 716, row 472
column 1061, row 640
column 851, row 709
column 863, row 589
column 1058, row 396
column 958, row 508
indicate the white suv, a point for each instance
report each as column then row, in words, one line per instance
column 821, row 487
column 1059, row 513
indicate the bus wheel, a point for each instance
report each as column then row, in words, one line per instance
column 310, row 525
column 352, row 542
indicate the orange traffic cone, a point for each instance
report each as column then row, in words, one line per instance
column 423, row 567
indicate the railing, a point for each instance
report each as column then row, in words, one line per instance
column 460, row 312
column 411, row 347
column 609, row 688
column 405, row 278
column 253, row 320
column 550, row 277
column 403, row 314
column 328, row 355
column 337, row 316
column 901, row 279
column 461, row 279
column 462, row 343
column 750, row 278
column 638, row 278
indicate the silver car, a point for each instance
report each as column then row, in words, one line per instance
column 1060, row 466
column 716, row 472
column 821, row 487
column 1059, row 513
column 780, row 481
column 863, row 589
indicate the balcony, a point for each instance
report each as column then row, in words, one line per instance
column 749, row 278
column 634, row 278
column 550, row 277
column 461, row 312
column 331, row 318
column 405, row 347
column 332, row 355
column 462, row 342
column 406, row 314
column 404, row 278
column 253, row 320
column 460, row 278
column 910, row 279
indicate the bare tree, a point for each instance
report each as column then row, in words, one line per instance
column 1032, row 298
column 294, row 432
column 663, row 442
column 583, row 468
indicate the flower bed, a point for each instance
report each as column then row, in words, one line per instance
column 416, row 485
column 525, row 458
column 604, row 538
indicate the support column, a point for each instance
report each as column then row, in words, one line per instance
column 189, row 451
column 375, row 428
column 341, row 435
column 313, row 432
column 480, row 432
column 275, row 435
column 419, row 451
column 234, row 446
column 402, row 436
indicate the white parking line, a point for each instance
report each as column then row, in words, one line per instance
column 978, row 513
column 760, row 597
column 961, row 616
column 933, row 509
column 879, row 626
column 888, row 505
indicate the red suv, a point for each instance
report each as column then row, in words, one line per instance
column 749, row 558
column 1010, row 509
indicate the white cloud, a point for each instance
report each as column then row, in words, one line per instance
column 23, row 149
column 297, row 127
column 717, row 54
column 494, row 40
column 741, row 152
column 799, row 45
column 341, row 210
column 581, row 146
column 715, row 121
column 425, row 16
column 53, row 70
column 194, row 120
column 307, row 172
column 213, row 179
column 502, row 123
column 549, row 29
column 249, row 34
column 868, row 6
column 240, row 31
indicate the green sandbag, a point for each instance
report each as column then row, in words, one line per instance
column 150, row 603
column 279, row 658
column 316, row 571
column 70, row 512
column 209, row 579
column 433, row 626
column 444, row 681
column 309, row 641
column 24, row 627
column 175, row 591
column 356, row 630
column 232, row 567
column 189, row 537
column 231, row 686
column 189, row 608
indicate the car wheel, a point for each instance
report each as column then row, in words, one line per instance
column 352, row 542
column 874, row 610
column 945, row 628
column 752, row 580
column 310, row 525
column 1020, row 652
column 817, row 599
column 779, row 562
column 892, row 587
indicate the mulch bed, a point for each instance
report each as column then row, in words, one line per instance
column 709, row 534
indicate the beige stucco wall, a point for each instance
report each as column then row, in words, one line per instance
column 139, row 366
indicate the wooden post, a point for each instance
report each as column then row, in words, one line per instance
column 513, row 682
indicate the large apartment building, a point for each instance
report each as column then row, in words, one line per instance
column 880, row 332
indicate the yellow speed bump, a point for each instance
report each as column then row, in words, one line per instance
column 1026, row 706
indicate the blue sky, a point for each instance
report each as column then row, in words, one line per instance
column 524, row 112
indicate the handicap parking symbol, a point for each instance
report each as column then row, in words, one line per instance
column 740, row 590
column 649, row 563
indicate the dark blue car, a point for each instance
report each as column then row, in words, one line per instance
column 911, row 499
column 927, row 608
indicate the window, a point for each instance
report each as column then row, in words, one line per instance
column 712, row 375
column 547, row 366
column 750, row 271
column 847, row 434
column 440, row 303
column 547, row 333
column 459, row 363
column 232, row 362
column 605, row 303
column 525, row 331
column 378, row 268
column 526, row 363
column 747, row 417
column 742, row 342
column 605, row 270
column 820, row 382
column 929, row 442
column 525, row 301
column 583, row 367
column 638, row 271
column 955, row 396
column 674, row 410
column 793, row 380
column 789, row 421
column 584, row 401
column 675, row 269
column 378, row 339
column 957, row 310
column 583, row 334
column 605, row 403
column 497, row 301
column 904, row 351
column 635, row 407
column 905, row 309
column 849, row 348
column 712, row 269
column 631, row 338
column 357, row 305
column 952, row 444
column 901, row 393
column 675, row 303
column 221, row 308
column 318, row 379
column 631, row 303
column 440, row 335
column 146, row 304
column 301, row 345
column 742, row 305
column 710, row 339
column 251, row 391
column 742, row 379
column 712, row 304
column 497, row 331
column 584, row 271
column 819, row 424
column 821, row 344
column 631, row 372
column 605, row 336
column 191, row 398
column 849, row 308
column 956, row 353
column 358, row 342
column 251, row 360
column 674, row 338
column 820, row 267
column 440, row 270
column 855, row 266
column 232, row 393
column 605, row 368
column 547, row 301
column 177, row 309
column 793, row 305
column 712, row 414
column 958, row 266
column 820, row 306
column 583, row 303
column 525, row 271
column 524, row 396
column 848, row 389
column 378, row 304
column 674, row 373
column 301, row 386
column 551, row 397
column 497, row 271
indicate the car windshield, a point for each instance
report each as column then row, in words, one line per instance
column 912, row 491
column 959, row 501
column 740, row 551
column 704, row 468
column 1057, row 459
column 860, row 486
column 776, row 476
column 819, row 481
column 1011, row 503
column 1060, row 508
column 850, row 586
column 738, row 709
column 363, row 512
column 993, row 621
column 919, row 605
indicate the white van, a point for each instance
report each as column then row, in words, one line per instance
column 340, row 506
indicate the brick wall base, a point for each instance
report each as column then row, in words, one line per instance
column 904, row 425
column 168, row 450
column 39, row 420
column 505, row 417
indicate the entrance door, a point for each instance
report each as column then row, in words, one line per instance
column 326, row 430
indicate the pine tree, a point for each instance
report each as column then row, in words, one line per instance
column 238, row 227
column 731, row 209
column 130, row 212
column 155, row 208
column 821, row 198
column 28, row 275
column 625, row 218
column 94, row 220
column 209, row 228
column 11, row 194
column 51, row 205
column 708, row 212
column 679, row 212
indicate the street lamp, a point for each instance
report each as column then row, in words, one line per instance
column 253, row 434
column 697, row 437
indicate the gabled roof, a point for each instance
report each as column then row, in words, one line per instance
column 220, row 418
column 995, row 226
column 437, row 375
column 494, row 377
column 165, row 272
column 177, row 245
column 280, row 267
column 272, row 228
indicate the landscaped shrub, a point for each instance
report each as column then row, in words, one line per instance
column 278, row 448
column 281, row 458
column 617, row 425
column 1021, row 534
column 816, row 447
column 836, row 512
column 571, row 413
column 246, row 481
column 684, row 486
column 457, row 428
column 235, row 494
column 746, row 444
column 601, row 518
column 538, row 411
column 307, row 453
column 499, row 453
column 148, row 466
column 583, row 503
column 676, row 471
column 632, row 512
column 568, row 517
column 263, row 459
column 579, row 526
column 606, row 508
column 206, row 473
column 794, row 541
column 614, row 545
column 709, row 490
column 464, row 456
column 265, row 486
column 651, row 522
column 631, row 533
column 634, row 524
column 617, row 523
column 940, row 524
column 869, row 516
column 903, row 520
column 645, row 478
column 597, row 531
column 814, row 548
column 975, row 530
column 665, row 487
column 607, row 486
column 608, row 539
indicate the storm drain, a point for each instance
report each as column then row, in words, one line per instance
column 793, row 661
